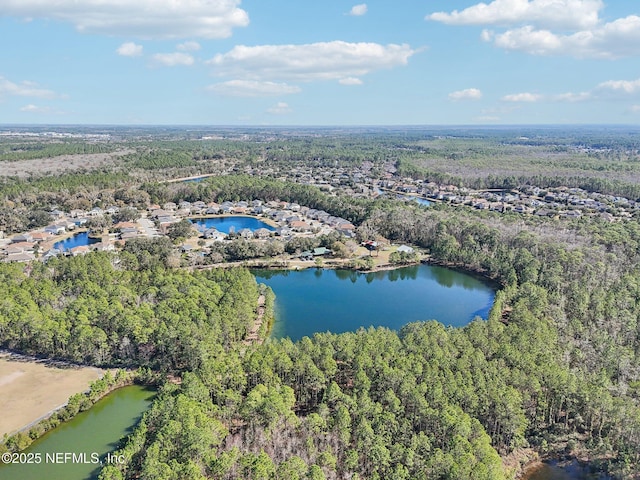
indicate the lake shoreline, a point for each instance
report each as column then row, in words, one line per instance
column 534, row 462
column 343, row 264
column 91, row 434
column 108, row 383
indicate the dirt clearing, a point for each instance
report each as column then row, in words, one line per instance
column 30, row 389
column 59, row 164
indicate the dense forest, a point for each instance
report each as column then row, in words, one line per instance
column 30, row 150
column 124, row 311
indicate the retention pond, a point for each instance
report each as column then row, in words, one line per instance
column 74, row 450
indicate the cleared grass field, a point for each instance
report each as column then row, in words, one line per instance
column 30, row 389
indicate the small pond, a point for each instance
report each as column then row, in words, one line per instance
column 419, row 201
column 79, row 239
column 237, row 223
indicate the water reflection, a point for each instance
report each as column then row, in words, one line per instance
column 232, row 223
column 570, row 470
column 452, row 278
column 77, row 240
column 316, row 300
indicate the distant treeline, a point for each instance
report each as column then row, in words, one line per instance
column 32, row 150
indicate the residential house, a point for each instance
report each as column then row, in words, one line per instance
column 68, row 224
column 55, row 229
column 245, row 233
column 405, row 249
column 262, row 233
column 300, row 226
column 54, row 252
column 123, row 225
column 79, row 250
column 41, row 236
column 20, row 257
column 103, row 247
column 25, row 237
column 213, row 234
column 158, row 212
column 284, row 231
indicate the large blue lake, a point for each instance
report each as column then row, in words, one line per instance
column 225, row 224
column 316, row 300
column 77, row 240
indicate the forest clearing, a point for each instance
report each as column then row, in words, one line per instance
column 33, row 389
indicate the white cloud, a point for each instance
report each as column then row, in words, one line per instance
column 358, row 10
column 487, row 35
column 188, row 47
column 130, row 49
column 536, row 42
column 574, row 97
column 280, row 108
column 31, row 108
column 551, row 27
column 252, row 88
column 546, row 13
column 141, row 18
column 611, row 89
column 173, row 59
column 487, row 118
column 635, row 108
column 466, row 94
column 316, row 61
column 34, row 109
column 616, row 39
column 523, row 97
column 350, row 81
column 24, row 89
column 621, row 86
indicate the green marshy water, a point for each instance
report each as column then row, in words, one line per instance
column 96, row 431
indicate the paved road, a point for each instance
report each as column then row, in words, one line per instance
column 148, row 227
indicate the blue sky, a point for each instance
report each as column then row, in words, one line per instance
column 257, row 62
